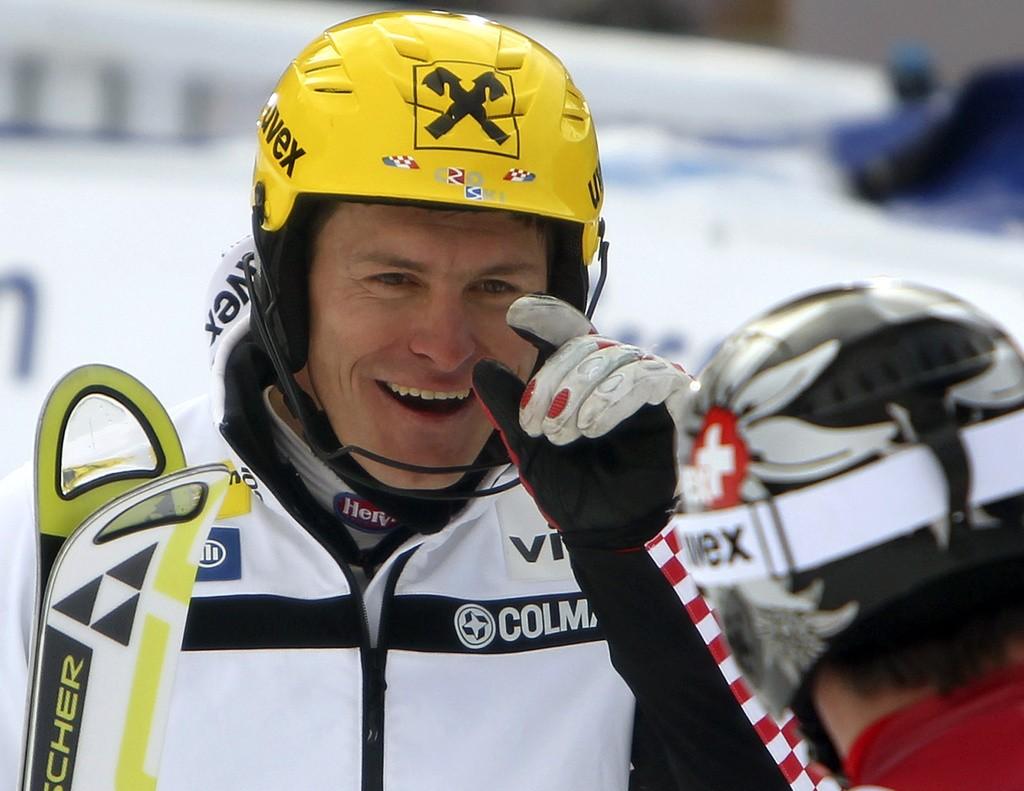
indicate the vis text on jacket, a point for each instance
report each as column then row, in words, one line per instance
column 531, row 554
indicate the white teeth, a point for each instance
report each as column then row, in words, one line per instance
column 428, row 395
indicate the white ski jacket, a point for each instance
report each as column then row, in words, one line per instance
column 472, row 661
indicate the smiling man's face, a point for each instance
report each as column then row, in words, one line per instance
column 403, row 302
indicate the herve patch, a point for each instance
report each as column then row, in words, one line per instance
column 535, row 555
column 221, row 557
column 362, row 514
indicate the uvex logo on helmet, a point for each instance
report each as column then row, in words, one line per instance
column 281, row 141
column 362, row 514
column 465, row 106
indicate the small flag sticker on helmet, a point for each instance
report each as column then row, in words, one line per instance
column 518, row 174
column 401, row 161
column 474, row 193
column 456, row 176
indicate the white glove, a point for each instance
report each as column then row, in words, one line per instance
column 591, row 383
column 594, row 431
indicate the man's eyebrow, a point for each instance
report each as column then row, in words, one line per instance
column 511, row 267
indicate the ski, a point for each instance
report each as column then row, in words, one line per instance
column 115, row 601
column 101, row 432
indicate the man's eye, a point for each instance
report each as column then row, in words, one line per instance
column 497, row 287
column 391, row 278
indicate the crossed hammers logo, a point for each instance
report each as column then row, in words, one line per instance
column 485, row 88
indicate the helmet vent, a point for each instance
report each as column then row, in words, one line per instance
column 323, row 70
column 512, row 51
column 404, row 37
column 575, row 107
column 575, row 114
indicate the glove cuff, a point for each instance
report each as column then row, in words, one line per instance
column 625, row 537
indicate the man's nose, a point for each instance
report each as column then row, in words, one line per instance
column 444, row 333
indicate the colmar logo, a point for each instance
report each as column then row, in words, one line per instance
column 476, row 627
column 718, row 463
column 362, row 514
column 283, row 144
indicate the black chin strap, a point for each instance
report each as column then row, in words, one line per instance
column 421, row 494
column 602, row 275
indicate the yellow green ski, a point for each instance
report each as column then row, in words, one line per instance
column 121, row 526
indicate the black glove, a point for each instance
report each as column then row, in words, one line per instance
column 593, row 433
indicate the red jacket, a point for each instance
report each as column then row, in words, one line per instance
column 969, row 740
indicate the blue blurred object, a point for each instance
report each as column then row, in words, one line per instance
column 912, row 71
column 958, row 161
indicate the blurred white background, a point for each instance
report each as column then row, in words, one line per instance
column 126, row 142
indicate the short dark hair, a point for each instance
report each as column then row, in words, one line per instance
column 941, row 660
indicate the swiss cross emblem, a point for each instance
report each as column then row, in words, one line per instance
column 718, row 462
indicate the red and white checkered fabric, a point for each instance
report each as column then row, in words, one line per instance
column 781, row 738
column 518, row 174
column 401, row 161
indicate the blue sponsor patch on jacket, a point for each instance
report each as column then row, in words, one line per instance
column 221, row 558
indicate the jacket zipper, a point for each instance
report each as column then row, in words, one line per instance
column 374, row 661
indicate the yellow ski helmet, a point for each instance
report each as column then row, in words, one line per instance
column 425, row 108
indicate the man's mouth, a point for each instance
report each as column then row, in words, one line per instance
column 438, row 402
